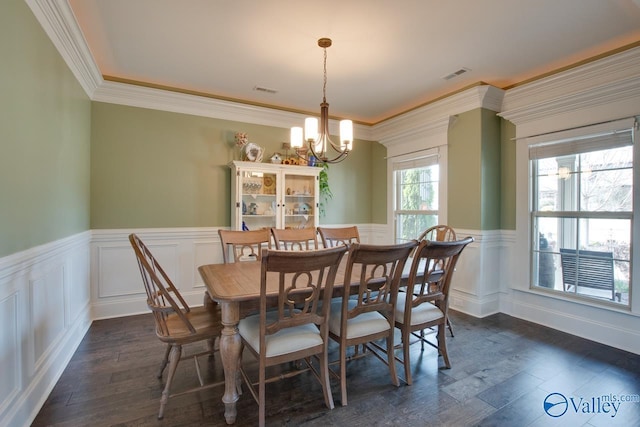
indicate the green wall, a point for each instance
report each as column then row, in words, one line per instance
column 152, row 168
column 474, row 173
column 464, row 152
column 508, row 184
column 379, row 184
column 44, row 137
column 491, row 170
column 354, row 182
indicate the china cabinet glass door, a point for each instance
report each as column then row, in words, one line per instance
column 259, row 201
column 300, row 201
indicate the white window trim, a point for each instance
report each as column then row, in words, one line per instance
column 393, row 164
column 522, row 276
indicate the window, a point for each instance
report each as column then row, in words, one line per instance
column 416, row 186
column 582, row 211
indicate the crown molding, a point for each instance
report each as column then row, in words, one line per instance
column 434, row 118
column 158, row 99
column 608, row 80
column 58, row 21
column 615, row 92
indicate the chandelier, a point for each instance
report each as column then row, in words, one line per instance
column 318, row 141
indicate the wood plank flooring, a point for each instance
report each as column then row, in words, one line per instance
column 502, row 370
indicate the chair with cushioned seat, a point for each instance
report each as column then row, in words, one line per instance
column 440, row 233
column 244, row 245
column 425, row 304
column 241, row 246
column 297, row 328
column 366, row 313
column 339, row 236
column 295, row 239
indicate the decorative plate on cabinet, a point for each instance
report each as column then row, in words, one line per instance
column 253, row 152
column 269, row 184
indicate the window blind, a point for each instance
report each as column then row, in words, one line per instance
column 417, row 161
column 583, row 140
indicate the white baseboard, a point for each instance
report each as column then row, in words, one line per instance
column 613, row 328
column 136, row 305
column 474, row 306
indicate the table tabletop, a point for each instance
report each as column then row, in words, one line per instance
column 240, row 281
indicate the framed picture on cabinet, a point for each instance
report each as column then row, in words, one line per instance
column 269, row 184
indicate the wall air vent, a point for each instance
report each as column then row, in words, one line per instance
column 456, row 73
column 264, row 89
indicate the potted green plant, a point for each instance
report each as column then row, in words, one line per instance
column 325, row 190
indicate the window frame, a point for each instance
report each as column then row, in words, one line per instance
column 423, row 158
column 575, row 142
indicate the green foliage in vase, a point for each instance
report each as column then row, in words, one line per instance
column 325, row 190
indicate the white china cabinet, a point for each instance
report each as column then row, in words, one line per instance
column 273, row 195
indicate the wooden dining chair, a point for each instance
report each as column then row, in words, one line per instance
column 425, row 304
column 295, row 239
column 240, row 246
column 298, row 328
column 365, row 314
column 177, row 324
column 440, row 233
column 339, row 236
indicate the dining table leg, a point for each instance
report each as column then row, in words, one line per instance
column 230, row 345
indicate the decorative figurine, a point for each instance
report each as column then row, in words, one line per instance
column 276, row 159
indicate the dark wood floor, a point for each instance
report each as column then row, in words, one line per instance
column 503, row 368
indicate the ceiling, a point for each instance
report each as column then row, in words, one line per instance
column 387, row 56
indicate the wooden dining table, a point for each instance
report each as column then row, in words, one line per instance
column 236, row 286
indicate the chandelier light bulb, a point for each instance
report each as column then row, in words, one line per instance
column 296, row 137
column 346, row 135
column 311, row 129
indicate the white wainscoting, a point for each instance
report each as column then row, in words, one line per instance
column 116, row 286
column 479, row 275
column 44, row 314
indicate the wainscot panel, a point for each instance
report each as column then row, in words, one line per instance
column 116, row 285
column 476, row 284
column 44, row 314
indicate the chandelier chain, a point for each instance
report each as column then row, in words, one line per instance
column 317, row 137
column 324, row 84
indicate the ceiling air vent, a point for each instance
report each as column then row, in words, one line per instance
column 264, row 89
column 456, row 73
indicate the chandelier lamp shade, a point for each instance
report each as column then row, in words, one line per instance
column 317, row 139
